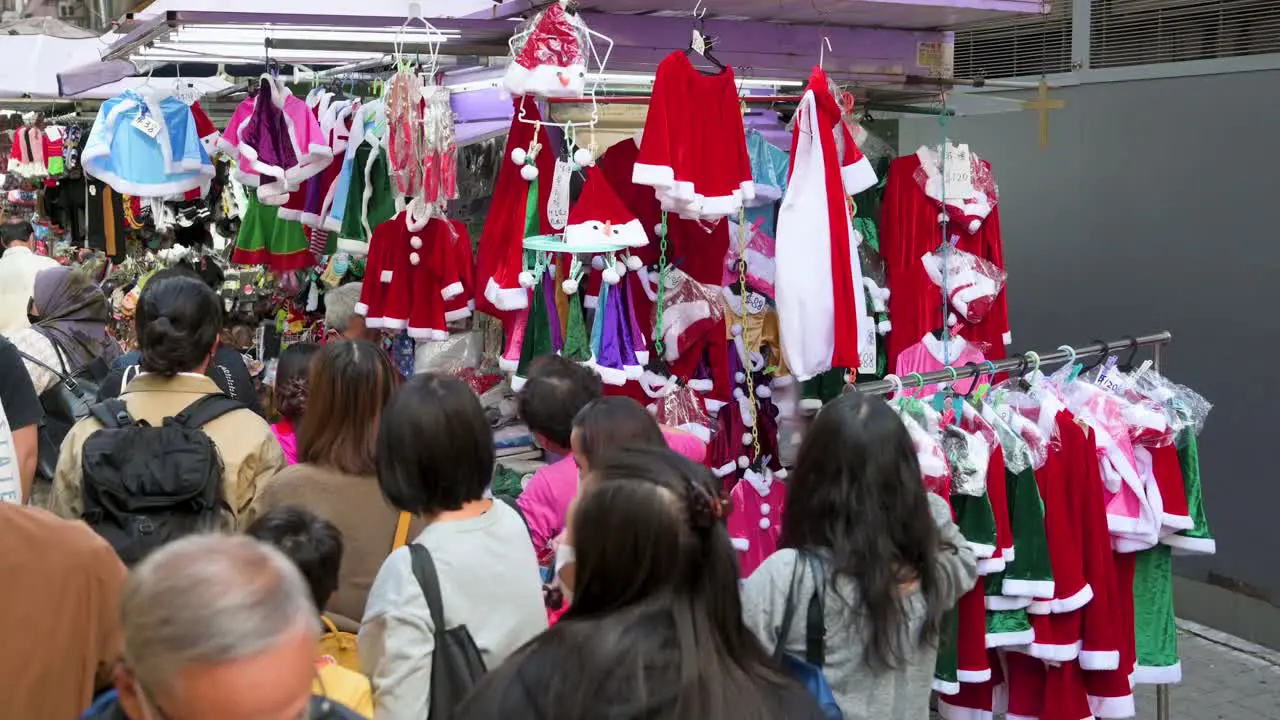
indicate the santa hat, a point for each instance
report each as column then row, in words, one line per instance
column 599, row 217
column 551, row 63
column 613, row 340
column 538, row 334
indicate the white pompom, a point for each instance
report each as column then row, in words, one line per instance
column 747, row 439
column 765, row 508
column 764, row 523
column 582, row 157
column 526, row 279
column 781, row 474
column 952, row 319
column 884, row 294
column 658, row 230
column 738, row 394
column 529, row 172
column 415, row 242
column 620, row 267
column 597, row 262
column 974, row 225
column 569, row 286
column 884, row 327
column 634, row 262
column 610, row 276
column 763, row 391
column 739, row 377
column 736, row 329
column 743, row 462
column 519, row 155
column 414, row 258
column 942, row 218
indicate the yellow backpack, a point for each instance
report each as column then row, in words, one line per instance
column 343, row 647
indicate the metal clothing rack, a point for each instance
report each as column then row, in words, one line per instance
column 1156, row 341
column 880, row 387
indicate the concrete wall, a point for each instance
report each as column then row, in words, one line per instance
column 1157, row 206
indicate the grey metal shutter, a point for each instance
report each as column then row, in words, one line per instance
column 1143, row 32
column 1014, row 47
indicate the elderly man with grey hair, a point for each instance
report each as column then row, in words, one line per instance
column 340, row 316
column 217, row 627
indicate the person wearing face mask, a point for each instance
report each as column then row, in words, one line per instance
column 248, row 650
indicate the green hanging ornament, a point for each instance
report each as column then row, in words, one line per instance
column 577, row 346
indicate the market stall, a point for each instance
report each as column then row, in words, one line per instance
column 706, row 212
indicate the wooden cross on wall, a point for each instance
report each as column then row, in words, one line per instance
column 1043, row 104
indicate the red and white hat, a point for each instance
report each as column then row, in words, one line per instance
column 552, row 62
column 599, row 217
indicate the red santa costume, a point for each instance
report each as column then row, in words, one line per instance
column 500, row 256
column 756, row 521
column 694, row 153
column 412, row 274
column 552, row 62
column 821, row 304
column 910, row 229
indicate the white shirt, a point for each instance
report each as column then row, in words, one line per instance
column 18, row 268
column 489, row 581
column 10, row 481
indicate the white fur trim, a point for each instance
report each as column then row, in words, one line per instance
column 451, row 291
column 517, row 382
column 700, row 385
column 590, row 302
column 1021, row 637
column 1055, row 653
column 352, row 246
column 991, row 565
column 698, row 430
column 610, row 376
column 1099, row 659
column 1058, row 606
column 724, row 469
column 858, row 176
column 658, row 176
column 460, row 314
column 1106, row 708
column 361, row 309
column 1147, row 675
column 1183, row 545
column 506, row 299
column 508, row 364
column 973, row 676
column 431, row 334
column 942, row 687
column 810, row 404
column 740, row 544
column 982, row 550
column 1028, row 588
column 1005, row 602
column 1007, row 338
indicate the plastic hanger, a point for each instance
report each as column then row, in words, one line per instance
column 699, row 37
column 1127, row 365
column 1102, row 356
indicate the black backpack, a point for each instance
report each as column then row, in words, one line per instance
column 456, row 665
column 145, row 486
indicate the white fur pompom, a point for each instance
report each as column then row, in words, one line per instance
column 747, row 438
column 519, row 155
column 736, row 329
column 597, row 263
column 884, row 294
column 582, row 157
column 739, row 377
column 952, row 319
column 884, row 327
column 942, row 218
column 658, row 230
column 569, row 286
column 634, row 263
column 414, row 258
column 526, row 279
column 738, row 394
column 763, row 391
column 415, row 242
column 743, row 462
column 529, row 172
column 781, row 474
column 610, row 276
column 620, row 267
column 974, row 225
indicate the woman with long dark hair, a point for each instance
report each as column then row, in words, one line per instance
column 290, row 395
column 890, row 560
column 656, row 630
column 348, row 386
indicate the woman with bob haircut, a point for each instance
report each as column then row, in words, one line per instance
column 656, row 628
column 435, row 460
column 348, row 386
column 891, row 561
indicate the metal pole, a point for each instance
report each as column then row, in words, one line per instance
column 880, row 387
column 1162, row 702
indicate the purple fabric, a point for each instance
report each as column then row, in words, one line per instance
column 608, row 346
column 73, row 314
column 618, row 318
column 268, row 131
column 633, row 326
column 553, row 313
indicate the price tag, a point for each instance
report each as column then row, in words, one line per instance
column 147, row 125
column 867, row 345
column 958, row 166
column 699, row 43
column 755, row 303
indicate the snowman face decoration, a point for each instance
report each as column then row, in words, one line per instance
column 608, row 233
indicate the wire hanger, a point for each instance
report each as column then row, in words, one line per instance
column 699, row 42
column 823, row 47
